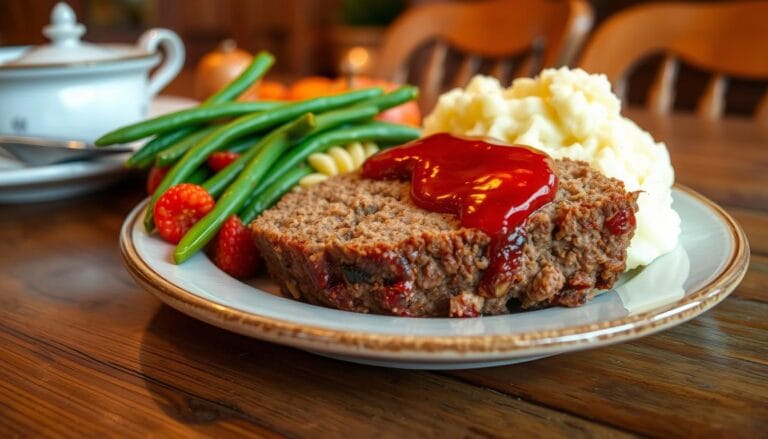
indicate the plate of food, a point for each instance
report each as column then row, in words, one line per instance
column 700, row 272
column 520, row 223
column 24, row 184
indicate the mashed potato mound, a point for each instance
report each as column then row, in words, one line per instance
column 570, row 113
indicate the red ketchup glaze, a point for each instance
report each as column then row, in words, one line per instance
column 491, row 187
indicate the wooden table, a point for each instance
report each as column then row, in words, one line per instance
column 85, row 352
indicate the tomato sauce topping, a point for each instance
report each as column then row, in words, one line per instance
column 491, row 187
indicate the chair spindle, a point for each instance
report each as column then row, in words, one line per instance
column 501, row 70
column 761, row 112
column 434, row 74
column 469, row 67
column 712, row 102
column 662, row 94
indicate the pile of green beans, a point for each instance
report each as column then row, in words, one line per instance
column 174, row 121
column 273, row 139
column 325, row 121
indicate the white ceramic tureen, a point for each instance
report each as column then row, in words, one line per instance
column 71, row 89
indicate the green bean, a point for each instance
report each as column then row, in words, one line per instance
column 233, row 198
column 401, row 95
column 325, row 121
column 380, row 132
column 259, row 65
column 272, row 193
column 244, row 126
column 178, row 119
column 172, row 153
column 145, row 157
column 204, row 114
column 376, row 131
column 331, row 119
column 244, row 144
column 199, row 175
column 220, row 180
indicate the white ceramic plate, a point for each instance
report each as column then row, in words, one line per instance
column 21, row 184
column 707, row 265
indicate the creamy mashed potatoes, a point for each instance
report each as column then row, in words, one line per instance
column 570, row 113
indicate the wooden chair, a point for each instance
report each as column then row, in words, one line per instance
column 728, row 39
column 542, row 33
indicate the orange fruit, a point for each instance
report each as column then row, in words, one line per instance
column 312, row 87
column 218, row 68
column 266, row 90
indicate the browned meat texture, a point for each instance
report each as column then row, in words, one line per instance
column 362, row 245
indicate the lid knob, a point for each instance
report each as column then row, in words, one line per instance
column 64, row 29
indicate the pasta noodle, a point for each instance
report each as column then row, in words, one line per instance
column 343, row 159
column 312, row 179
column 337, row 160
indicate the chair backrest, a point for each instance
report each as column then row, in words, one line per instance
column 542, row 33
column 727, row 39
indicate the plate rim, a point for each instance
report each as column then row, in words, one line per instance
column 69, row 171
column 376, row 345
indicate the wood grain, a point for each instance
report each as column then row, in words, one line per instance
column 755, row 225
column 70, row 394
column 725, row 161
column 199, row 375
column 755, row 283
column 701, row 379
column 85, row 352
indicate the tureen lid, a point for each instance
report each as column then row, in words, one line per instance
column 64, row 32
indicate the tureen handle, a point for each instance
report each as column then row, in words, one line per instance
column 172, row 61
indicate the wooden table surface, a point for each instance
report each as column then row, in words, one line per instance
column 85, row 352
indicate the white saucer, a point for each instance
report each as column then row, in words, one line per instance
column 709, row 262
column 20, row 184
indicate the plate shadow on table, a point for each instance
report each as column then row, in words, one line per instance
column 206, row 377
column 174, row 343
column 218, row 375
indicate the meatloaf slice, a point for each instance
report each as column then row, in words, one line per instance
column 362, row 245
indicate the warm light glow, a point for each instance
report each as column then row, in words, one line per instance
column 491, row 183
column 357, row 58
column 73, row 144
column 477, row 198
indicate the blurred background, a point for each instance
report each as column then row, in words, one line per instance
column 308, row 37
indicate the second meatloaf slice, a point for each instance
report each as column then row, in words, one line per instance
column 362, row 245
